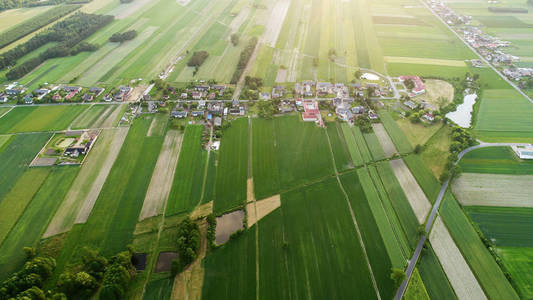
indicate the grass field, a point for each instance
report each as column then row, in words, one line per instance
column 42, row 118
column 159, row 289
column 437, row 150
column 495, row 160
column 374, row 146
column 487, row 271
column 494, row 190
column 417, row 133
column 98, row 115
column 38, row 213
column 396, row 134
column 298, row 165
column 338, row 145
column 16, row 157
column 189, row 175
column 19, row 196
column 425, row 178
column 264, row 158
column 10, row 18
column 353, row 146
column 504, row 226
column 232, row 168
column 433, row 276
column 519, row 262
column 416, row 289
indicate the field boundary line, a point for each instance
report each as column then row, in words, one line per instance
column 374, row 283
column 7, row 111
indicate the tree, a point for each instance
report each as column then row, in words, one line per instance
column 418, row 148
column 235, row 39
column 398, row 276
column 30, row 252
column 409, row 84
column 175, row 267
column 188, row 242
column 358, row 74
column 197, row 58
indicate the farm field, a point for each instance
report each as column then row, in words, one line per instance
column 495, row 160
column 384, row 146
column 42, row 118
column 487, row 271
column 232, row 169
column 416, row 288
column 417, row 134
column 11, row 18
column 358, row 151
column 338, row 146
column 437, row 150
column 264, row 158
column 395, row 133
column 189, row 175
column 474, row 189
column 423, row 175
column 98, row 116
column 518, row 262
column 433, row 276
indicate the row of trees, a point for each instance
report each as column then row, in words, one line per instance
column 67, row 33
column 122, row 37
column 188, row 244
column 246, row 54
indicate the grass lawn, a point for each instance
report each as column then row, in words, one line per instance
column 232, row 168
column 32, row 223
column 496, row 160
column 264, row 158
column 189, row 175
column 486, row 270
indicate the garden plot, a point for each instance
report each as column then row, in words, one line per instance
column 86, row 187
column 163, row 176
column 415, row 195
column 474, row 189
column 275, row 22
column 459, row 274
column 384, row 140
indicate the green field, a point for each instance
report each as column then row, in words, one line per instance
column 264, row 158
column 339, row 148
column 353, row 145
column 433, row 276
column 98, row 115
column 519, row 262
column 504, row 226
column 416, row 289
column 425, row 178
column 495, row 160
column 159, row 289
column 486, row 270
column 187, row 185
column 42, row 118
column 374, row 146
column 38, row 213
column 232, row 168
column 396, row 134
column 16, row 157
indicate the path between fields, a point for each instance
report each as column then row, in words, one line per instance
column 353, row 218
column 416, row 255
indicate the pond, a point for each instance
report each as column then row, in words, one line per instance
column 462, row 116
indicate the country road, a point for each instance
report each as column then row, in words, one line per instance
column 416, row 255
column 479, row 55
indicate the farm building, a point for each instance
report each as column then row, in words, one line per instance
column 311, row 112
column 419, row 87
column 524, row 152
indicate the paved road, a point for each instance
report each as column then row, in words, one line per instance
column 474, row 50
column 433, row 214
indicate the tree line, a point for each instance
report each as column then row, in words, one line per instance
column 246, row 54
column 69, row 35
column 122, row 37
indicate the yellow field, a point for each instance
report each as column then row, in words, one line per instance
column 425, row 61
column 13, row 17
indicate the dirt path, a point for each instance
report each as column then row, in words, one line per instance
column 359, row 236
column 163, row 176
column 257, row 210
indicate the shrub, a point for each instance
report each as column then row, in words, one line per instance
column 197, row 58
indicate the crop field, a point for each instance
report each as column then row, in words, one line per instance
column 425, row 178
column 19, row 196
column 519, row 261
column 504, row 226
column 338, row 146
column 495, row 160
column 42, row 118
column 374, row 145
column 503, row 111
column 310, row 268
column 232, row 168
column 297, row 164
column 189, row 175
column 380, row 144
column 264, row 158
column 416, row 288
column 417, row 134
column 16, row 158
column 12, row 17
column 433, row 276
column 487, row 271
column 98, row 116
column 395, row 133
column 462, row 279
column 494, row 190
column 353, row 146
column 85, row 189
column 30, row 226
column 437, row 150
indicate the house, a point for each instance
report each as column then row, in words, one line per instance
column 201, row 88
column 410, row 104
column 70, row 89
column 211, row 96
column 70, row 95
column 356, row 86
column 264, row 96
column 201, row 105
column 234, row 111
column 419, row 87
column 357, row 110
column 220, row 88
column 183, row 96
column 324, row 88
column 13, row 92
column 147, row 97
column 215, row 108
column 524, row 151
column 311, row 112
column 197, row 113
column 298, row 89
column 3, row 98
column 429, row 116
column 178, row 114
column 196, row 95
column 108, row 98
column 28, row 99
column 56, row 97
column 87, row 97
column 278, row 92
column 344, row 114
column 217, row 121
column 40, row 93
column 372, row 115
column 97, row 91
column 285, row 107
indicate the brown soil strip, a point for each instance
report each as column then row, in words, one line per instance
column 384, row 139
column 250, row 190
column 255, row 211
column 228, row 224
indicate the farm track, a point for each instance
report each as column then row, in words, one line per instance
column 431, row 218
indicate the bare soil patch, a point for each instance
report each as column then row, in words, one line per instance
column 255, row 211
column 228, row 224
column 494, row 190
column 164, row 261
column 202, row 210
column 384, row 139
column 418, row 200
column 461, row 278
column 163, row 176
column 250, row 190
column 44, row 161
